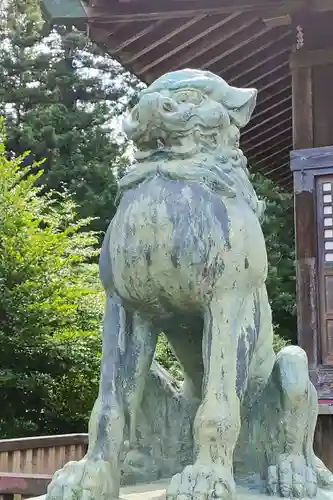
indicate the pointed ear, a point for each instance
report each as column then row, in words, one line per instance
column 240, row 104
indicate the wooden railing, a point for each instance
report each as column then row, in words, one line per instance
column 27, row 464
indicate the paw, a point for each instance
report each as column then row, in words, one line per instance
column 324, row 476
column 291, row 477
column 87, row 479
column 199, row 482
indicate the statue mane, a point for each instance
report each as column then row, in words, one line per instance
column 223, row 171
column 186, row 126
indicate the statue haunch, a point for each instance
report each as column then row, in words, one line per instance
column 185, row 255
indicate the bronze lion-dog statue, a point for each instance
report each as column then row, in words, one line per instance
column 185, row 255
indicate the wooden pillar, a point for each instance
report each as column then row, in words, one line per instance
column 312, row 80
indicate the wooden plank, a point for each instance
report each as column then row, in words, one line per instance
column 273, row 22
column 24, row 484
column 285, row 122
column 306, row 265
column 143, row 10
column 272, row 98
column 273, row 9
column 41, row 442
column 322, row 77
column 259, row 150
column 273, row 58
column 306, row 59
column 316, row 5
column 278, row 145
column 281, row 161
column 271, row 118
column 324, row 438
column 162, row 39
column 283, row 153
column 236, row 24
column 311, row 158
column 268, row 40
column 118, row 47
column 204, row 31
column 244, row 40
column 302, row 108
column 272, row 71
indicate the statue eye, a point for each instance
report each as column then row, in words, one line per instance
column 190, row 96
column 182, row 97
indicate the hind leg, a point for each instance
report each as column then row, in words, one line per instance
column 285, row 408
column 127, row 355
column 291, row 470
column 217, row 422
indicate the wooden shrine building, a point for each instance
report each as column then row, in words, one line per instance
column 284, row 48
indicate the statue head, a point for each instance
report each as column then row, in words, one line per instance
column 188, row 107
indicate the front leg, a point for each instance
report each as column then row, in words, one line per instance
column 217, row 422
column 128, row 349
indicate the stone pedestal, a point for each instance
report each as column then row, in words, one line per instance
column 156, row 491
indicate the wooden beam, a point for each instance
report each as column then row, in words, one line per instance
column 288, row 181
column 249, row 151
column 286, row 185
column 302, row 108
column 137, row 34
column 262, row 101
column 107, row 32
column 317, row 5
column 285, row 175
column 271, row 147
column 255, row 81
column 306, row 59
column 266, row 131
column 202, row 33
column 236, row 25
column 23, row 485
column 259, row 145
column 278, row 169
column 76, row 10
column 164, row 38
column 258, row 48
column 235, row 46
column 280, row 152
column 273, row 22
column 269, row 109
column 284, row 52
column 269, row 119
column 145, row 10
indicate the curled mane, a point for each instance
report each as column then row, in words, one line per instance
column 224, row 172
column 186, row 127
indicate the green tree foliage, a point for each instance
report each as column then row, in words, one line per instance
column 61, row 96
column 50, row 307
column 278, row 228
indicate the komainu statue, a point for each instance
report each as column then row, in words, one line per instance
column 185, row 255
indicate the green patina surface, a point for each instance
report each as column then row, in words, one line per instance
column 62, row 10
column 185, row 255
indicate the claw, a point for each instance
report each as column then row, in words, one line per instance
column 198, row 482
column 83, row 480
column 291, row 478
